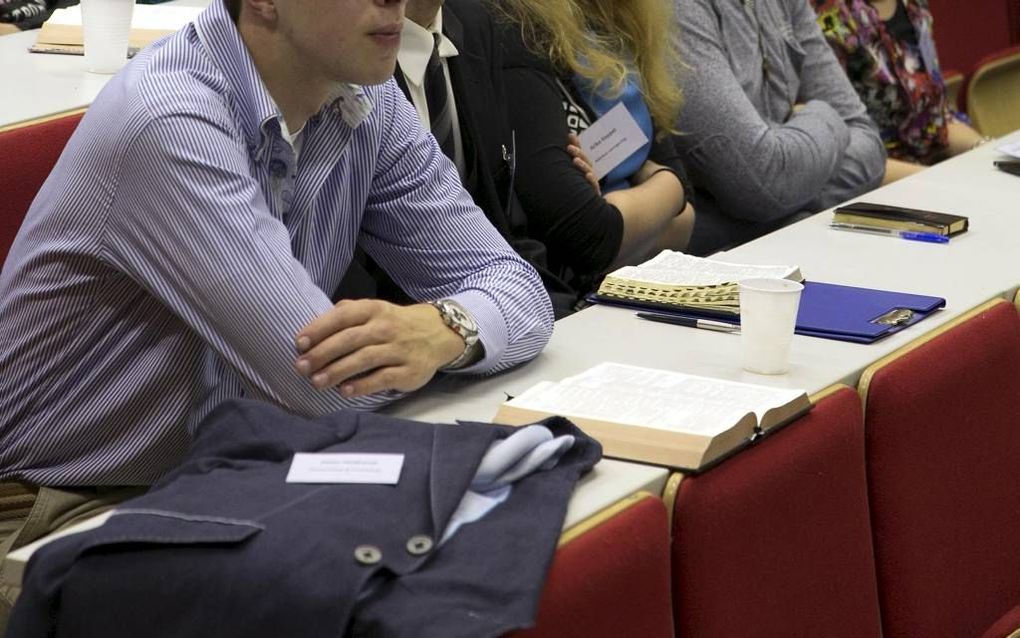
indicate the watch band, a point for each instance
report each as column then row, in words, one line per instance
column 458, row 319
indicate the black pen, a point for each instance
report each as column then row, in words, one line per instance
column 690, row 322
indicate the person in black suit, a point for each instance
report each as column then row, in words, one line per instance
column 450, row 68
column 478, row 137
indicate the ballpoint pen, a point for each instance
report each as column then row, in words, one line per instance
column 933, row 238
column 690, row 322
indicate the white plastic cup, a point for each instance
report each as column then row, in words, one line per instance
column 107, row 28
column 768, row 315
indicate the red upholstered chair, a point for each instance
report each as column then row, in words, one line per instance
column 775, row 541
column 965, row 32
column 1007, row 627
column 610, row 577
column 27, row 155
column 942, row 432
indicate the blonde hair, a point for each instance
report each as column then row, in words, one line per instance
column 600, row 40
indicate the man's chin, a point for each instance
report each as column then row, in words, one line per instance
column 377, row 75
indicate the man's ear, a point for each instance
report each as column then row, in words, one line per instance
column 263, row 9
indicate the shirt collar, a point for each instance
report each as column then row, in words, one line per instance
column 257, row 108
column 416, row 48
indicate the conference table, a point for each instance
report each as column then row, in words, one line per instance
column 974, row 267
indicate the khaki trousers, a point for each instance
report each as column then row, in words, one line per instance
column 28, row 513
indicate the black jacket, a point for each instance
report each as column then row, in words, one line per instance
column 489, row 148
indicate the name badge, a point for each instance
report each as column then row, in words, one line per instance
column 325, row 467
column 611, row 139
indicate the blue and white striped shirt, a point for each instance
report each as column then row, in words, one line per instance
column 178, row 247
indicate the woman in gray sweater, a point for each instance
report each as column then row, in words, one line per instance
column 771, row 129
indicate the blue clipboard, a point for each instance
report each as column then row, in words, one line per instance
column 831, row 311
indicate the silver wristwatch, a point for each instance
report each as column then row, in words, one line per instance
column 458, row 319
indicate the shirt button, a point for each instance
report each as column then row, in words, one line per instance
column 277, row 168
column 419, row 544
column 367, row 554
column 287, row 196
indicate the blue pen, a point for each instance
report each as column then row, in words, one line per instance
column 933, row 238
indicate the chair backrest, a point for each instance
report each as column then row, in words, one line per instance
column 1006, row 627
column 27, row 155
column 775, row 541
column 993, row 93
column 942, row 431
column 967, row 32
column 610, row 577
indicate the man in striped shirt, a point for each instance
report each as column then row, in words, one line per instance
column 178, row 253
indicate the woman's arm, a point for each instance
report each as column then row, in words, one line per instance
column 581, row 228
column 898, row 169
column 962, row 137
column 648, row 209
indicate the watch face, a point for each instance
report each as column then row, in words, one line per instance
column 462, row 317
column 459, row 319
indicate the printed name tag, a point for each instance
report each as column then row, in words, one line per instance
column 380, row 469
column 611, row 139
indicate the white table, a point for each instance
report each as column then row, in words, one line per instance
column 972, row 268
column 979, row 265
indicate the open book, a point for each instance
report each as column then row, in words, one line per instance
column 657, row 416
column 677, row 281
column 62, row 32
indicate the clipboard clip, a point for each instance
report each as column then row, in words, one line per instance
column 895, row 317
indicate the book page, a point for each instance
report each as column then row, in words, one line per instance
column 652, row 398
column 675, row 268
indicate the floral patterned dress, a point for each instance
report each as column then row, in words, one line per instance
column 898, row 78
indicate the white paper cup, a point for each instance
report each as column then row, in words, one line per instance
column 768, row 314
column 107, row 27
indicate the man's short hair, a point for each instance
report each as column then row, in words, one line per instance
column 234, row 9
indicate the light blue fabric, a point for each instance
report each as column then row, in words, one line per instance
column 598, row 100
column 530, row 449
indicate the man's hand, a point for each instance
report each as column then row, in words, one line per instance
column 367, row 346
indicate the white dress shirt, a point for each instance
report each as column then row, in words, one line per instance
column 413, row 57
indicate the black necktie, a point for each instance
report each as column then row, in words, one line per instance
column 438, row 101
